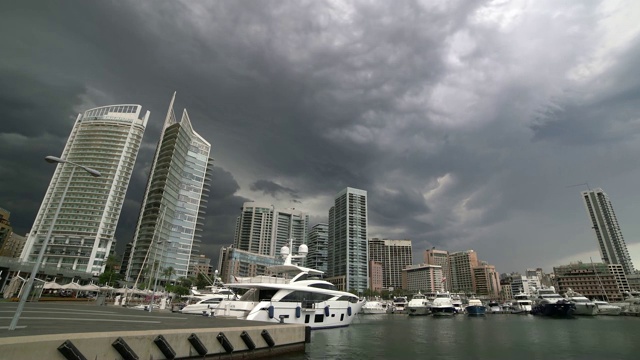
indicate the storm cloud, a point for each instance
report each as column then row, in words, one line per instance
column 466, row 121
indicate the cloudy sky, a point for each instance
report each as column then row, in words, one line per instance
column 466, row 121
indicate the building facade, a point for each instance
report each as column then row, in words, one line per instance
column 487, row 281
column 604, row 223
column 106, row 139
column 172, row 213
column 235, row 263
column 595, row 280
column 425, row 278
column 5, row 226
column 525, row 284
column 462, row 264
column 441, row 258
column 264, row 229
column 348, row 250
column 375, row 276
column 395, row 256
column 318, row 243
column 13, row 245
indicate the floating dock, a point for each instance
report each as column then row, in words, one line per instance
column 87, row 331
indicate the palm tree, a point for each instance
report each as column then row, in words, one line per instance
column 168, row 272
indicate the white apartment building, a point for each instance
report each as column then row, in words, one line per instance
column 106, row 139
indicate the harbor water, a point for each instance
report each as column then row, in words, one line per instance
column 495, row 336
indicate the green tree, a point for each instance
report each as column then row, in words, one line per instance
column 167, row 273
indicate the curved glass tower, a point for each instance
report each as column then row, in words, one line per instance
column 172, row 214
column 106, row 139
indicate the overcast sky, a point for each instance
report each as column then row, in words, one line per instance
column 466, row 121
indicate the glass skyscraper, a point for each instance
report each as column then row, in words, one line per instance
column 106, row 139
column 172, row 213
column 348, row 251
column 605, row 225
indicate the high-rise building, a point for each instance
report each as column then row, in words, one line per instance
column 605, row 225
column 5, row 226
column 462, row 264
column 106, row 139
column 487, row 281
column 172, row 212
column 264, row 229
column 424, row 277
column 375, row 276
column 395, row 256
column 441, row 258
column 318, row 242
column 348, row 247
column 235, row 263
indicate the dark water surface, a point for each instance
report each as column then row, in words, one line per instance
column 491, row 337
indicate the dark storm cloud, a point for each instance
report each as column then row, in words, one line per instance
column 460, row 118
column 273, row 189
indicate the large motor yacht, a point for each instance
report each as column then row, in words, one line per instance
column 373, row 307
column 418, row 305
column 442, row 305
column 299, row 296
column 549, row 303
column 583, row 305
column 604, row 308
column 521, row 304
column 457, row 303
column 399, row 305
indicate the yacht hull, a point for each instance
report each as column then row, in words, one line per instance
column 476, row 310
column 558, row 310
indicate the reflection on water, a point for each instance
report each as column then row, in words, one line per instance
column 490, row 337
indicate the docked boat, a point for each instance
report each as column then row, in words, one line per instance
column 418, row 305
column 399, row 305
column 457, row 303
column 374, row 307
column 494, row 307
column 442, row 305
column 583, row 305
column 521, row 304
column 549, row 303
column 604, row 308
column 475, row 307
column 205, row 306
column 297, row 296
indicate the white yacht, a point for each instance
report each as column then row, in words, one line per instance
column 418, row 305
column 300, row 296
column 373, row 307
column 521, row 304
column 604, row 308
column 442, row 305
column 583, row 305
column 457, row 303
column 205, row 306
column 493, row 307
column 399, row 305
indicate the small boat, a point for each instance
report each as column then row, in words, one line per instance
column 418, row 305
column 583, row 305
column 374, row 307
column 604, row 308
column 442, row 305
column 494, row 307
column 521, row 304
column 203, row 307
column 475, row 307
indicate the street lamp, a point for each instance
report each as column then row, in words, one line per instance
column 27, row 289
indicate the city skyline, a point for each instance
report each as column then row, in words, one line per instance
column 466, row 122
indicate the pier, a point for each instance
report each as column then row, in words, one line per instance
column 88, row 331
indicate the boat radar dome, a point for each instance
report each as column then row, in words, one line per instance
column 284, row 251
column 303, row 250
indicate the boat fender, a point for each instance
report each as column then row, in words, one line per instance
column 349, row 311
column 326, row 310
column 298, row 311
column 271, row 312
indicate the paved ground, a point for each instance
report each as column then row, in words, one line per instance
column 59, row 318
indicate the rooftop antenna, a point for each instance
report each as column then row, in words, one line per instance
column 583, row 184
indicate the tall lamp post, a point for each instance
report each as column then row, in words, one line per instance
column 27, row 289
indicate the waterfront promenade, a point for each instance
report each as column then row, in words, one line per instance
column 92, row 329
